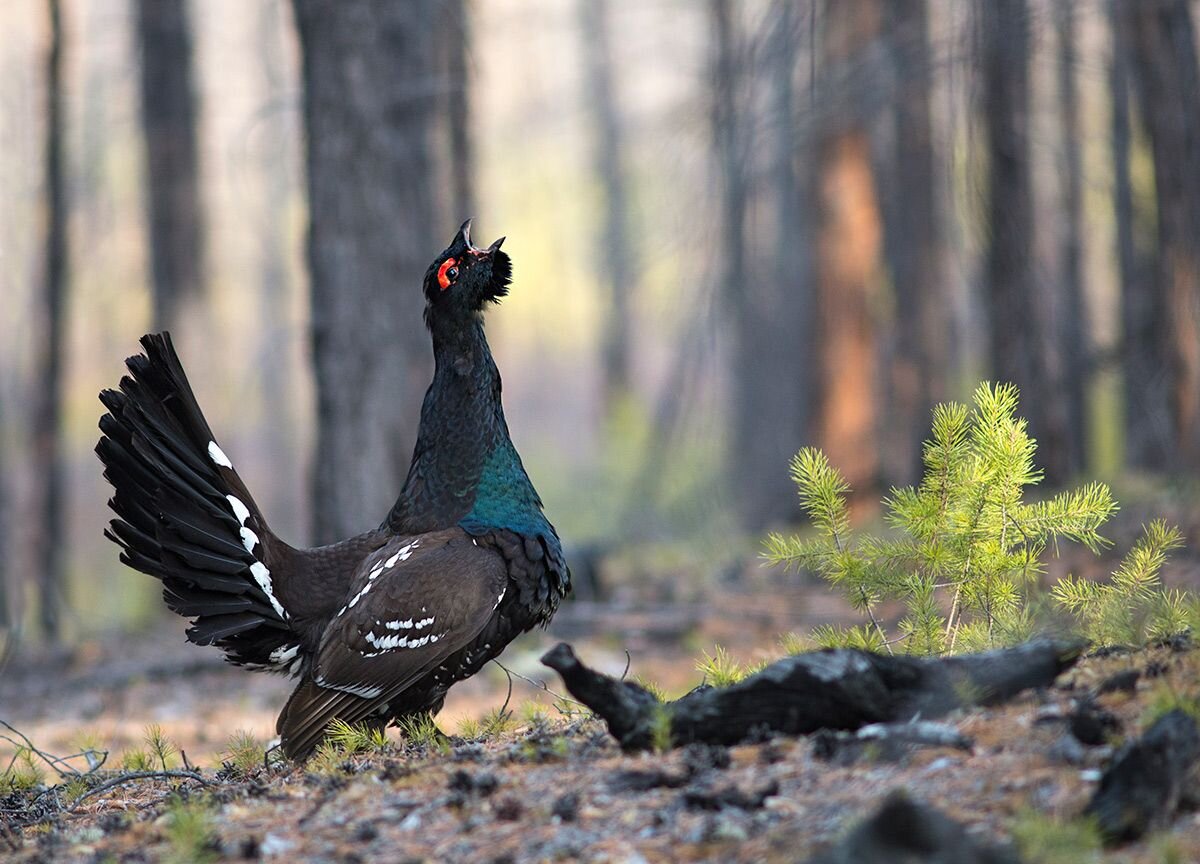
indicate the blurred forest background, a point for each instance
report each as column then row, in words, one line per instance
column 738, row 227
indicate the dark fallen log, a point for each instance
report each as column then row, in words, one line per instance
column 902, row 830
column 830, row 689
column 1143, row 787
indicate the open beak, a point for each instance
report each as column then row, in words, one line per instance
column 464, row 236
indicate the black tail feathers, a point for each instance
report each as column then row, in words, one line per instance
column 186, row 518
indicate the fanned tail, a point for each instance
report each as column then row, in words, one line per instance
column 187, row 519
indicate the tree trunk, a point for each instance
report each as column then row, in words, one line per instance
column 284, row 498
column 1144, row 370
column 49, row 530
column 173, row 204
column 616, row 256
column 1070, row 314
column 920, row 366
column 371, row 113
column 1017, row 314
column 456, row 45
column 1168, row 79
column 847, row 251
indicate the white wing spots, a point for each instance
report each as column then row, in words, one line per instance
column 263, row 577
column 501, row 597
column 424, row 622
column 398, row 625
column 217, row 455
column 366, row 691
column 249, row 539
column 393, row 643
column 284, row 654
column 403, row 554
column 240, row 510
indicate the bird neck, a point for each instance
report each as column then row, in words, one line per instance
column 465, row 469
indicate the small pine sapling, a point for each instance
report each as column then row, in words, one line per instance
column 1132, row 608
column 967, row 547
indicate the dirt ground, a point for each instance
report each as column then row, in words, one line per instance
column 554, row 789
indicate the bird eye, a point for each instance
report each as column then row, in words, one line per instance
column 447, row 273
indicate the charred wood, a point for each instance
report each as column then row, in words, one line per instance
column 830, row 689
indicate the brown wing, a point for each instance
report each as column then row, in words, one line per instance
column 414, row 603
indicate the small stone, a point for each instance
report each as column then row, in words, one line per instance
column 411, row 822
column 364, row 832
column 509, row 809
column 1122, row 682
column 566, row 807
column 273, row 844
column 1066, row 750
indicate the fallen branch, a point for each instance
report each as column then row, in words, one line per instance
column 830, row 689
column 61, row 764
column 130, row 776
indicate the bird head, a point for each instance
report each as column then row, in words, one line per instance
column 464, row 277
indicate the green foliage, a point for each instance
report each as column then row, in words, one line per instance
column 161, row 749
column 244, row 752
column 327, row 759
column 1133, row 608
column 719, row 669
column 137, row 759
column 966, row 548
column 795, row 643
column 1042, row 840
column 1166, row 699
column 470, row 728
column 191, row 833
column 498, row 721
column 419, row 730
column 660, row 729
column 22, row 773
column 353, row 738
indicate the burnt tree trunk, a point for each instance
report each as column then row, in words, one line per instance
column 1168, row 78
column 1146, row 416
column 847, row 246
column 49, row 532
column 173, row 205
column 1070, row 314
column 921, row 358
column 371, row 105
column 615, row 256
column 1016, row 311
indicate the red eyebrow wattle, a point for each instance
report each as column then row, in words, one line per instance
column 443, row 279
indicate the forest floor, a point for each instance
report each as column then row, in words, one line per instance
column 549, row 785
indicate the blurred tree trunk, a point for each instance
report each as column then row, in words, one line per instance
column 1168, row 78
column 49, row 530
column 766, row 294
column 173, row 204
column 1143, row 357
column 847, row 247
column 278, row 385
column 1070, row 314
column 615, row 256
column 456, row 44
column 6, row 568
column 1017, row 316
column 371, row 101
column 920, row 364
